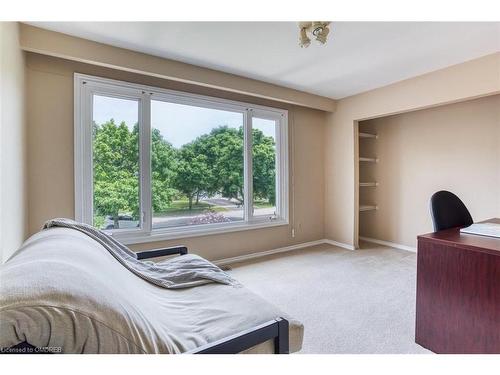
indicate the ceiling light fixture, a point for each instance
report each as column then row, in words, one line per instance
column 318, row 29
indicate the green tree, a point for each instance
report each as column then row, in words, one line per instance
column 163, row 170
column 116, row 169
column 192, row 172
column 264, row 166
column 223, row 147
column 211, row 164
column 221, row 170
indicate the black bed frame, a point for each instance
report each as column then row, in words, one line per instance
column 276, row 329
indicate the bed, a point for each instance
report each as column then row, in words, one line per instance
column 63, row 292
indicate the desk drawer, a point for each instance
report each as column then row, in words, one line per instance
column 458, row 299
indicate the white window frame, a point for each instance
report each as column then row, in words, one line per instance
column 86, row 86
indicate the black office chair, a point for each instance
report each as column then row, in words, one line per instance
column 448, row 211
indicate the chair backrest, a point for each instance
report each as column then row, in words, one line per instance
column 448, row 211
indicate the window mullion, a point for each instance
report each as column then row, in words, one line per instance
column 145, row 160
column 281, row 167
column 248, row 172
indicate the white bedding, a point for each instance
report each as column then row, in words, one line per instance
column 172, row 273
column 63, row 289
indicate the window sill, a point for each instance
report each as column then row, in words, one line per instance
column 130, row 238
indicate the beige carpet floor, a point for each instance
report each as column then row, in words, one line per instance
column 349, row 301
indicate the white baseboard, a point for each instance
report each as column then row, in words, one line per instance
column 339, row 244
column 390, row 244
column 241, row 258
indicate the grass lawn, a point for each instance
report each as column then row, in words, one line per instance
column 181, row 207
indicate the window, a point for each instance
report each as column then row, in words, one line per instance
column 115, row 161
column 201, row 179
column 154, row 164
column 264, row 166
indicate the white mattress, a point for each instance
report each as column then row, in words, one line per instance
column 63, row 289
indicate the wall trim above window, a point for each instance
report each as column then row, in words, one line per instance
column 86, row 87
column 52, row 43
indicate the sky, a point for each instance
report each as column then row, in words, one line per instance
column 179, row 124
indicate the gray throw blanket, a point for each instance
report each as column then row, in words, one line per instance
column 179, row 272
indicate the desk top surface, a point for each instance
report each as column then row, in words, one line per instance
column 453, row 237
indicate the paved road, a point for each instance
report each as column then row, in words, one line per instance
column 222, row 202
column 233, row 214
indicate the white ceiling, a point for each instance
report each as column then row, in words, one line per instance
column 359, row 56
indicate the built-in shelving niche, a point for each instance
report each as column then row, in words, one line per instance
column 368, row 161
column 368, row 176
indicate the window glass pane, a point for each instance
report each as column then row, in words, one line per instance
column 115, row 145
column 264, row 166
column 196, row 164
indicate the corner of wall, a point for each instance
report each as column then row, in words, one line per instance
column 13, row 150
column 471, row 79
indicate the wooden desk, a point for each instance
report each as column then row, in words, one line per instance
column 458, row 292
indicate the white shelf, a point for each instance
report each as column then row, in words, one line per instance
column 368, row 135
column 370, row 160
column 363, row 208
column 366, row 207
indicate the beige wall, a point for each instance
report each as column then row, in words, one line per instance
column 50, row 141
column 473, row 79
column 453, row 147
column 13, row 217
